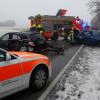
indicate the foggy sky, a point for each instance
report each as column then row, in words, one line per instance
column 20, row 10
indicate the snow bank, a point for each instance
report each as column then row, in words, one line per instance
column 84, row 83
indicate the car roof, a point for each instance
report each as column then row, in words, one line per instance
column 29, row 32
column 4, row 31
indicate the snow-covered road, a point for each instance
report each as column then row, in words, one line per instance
column 83, row 82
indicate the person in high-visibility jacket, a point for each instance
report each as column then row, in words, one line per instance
column 71, row 36
column 40, row 29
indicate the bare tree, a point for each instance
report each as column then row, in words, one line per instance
column 94, row 7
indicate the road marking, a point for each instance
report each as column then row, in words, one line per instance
column 46, row 92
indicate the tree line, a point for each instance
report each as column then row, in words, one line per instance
column 94, row 7
column 8, row 23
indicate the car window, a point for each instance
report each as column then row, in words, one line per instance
column 90, row 33
column 5, row 37
column 13, row 57
column 24, row 36
column 37, row 37
column 15, row 36
column 2, row 56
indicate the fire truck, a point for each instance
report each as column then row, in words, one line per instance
column 46, row 24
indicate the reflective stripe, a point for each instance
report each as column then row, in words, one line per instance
column 19, row 60
column 10, row 71
column 10, row 62
column 15, row 68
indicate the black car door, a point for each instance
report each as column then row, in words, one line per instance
column 14, row 41
column 4, row 41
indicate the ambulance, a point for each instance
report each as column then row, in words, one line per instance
column 20, row 70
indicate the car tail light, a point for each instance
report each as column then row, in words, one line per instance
column 32, row 43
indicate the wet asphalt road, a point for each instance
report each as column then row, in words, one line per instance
column 58, row 63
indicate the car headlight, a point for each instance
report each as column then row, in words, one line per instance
column 32, row 43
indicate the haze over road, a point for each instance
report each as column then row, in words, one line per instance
column 20, row 10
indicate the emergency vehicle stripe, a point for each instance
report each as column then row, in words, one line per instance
column 20, row 60
column 18, row 67
column 10, row 71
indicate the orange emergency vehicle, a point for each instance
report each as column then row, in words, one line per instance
column 19, row 70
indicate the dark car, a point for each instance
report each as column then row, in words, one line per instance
column 14, row 40
column 38, row 39
column 89, row 37
column 41, row 43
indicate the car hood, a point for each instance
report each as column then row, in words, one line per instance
column 28, row 55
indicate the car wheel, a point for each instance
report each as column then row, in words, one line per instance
column 38, row 78
column 23, row 48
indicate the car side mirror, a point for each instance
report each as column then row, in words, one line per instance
column 8, row 57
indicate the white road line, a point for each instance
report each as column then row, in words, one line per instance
column 45, row 93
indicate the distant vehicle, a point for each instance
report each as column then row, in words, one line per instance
column 90, row 37
column 14, row 40
column 20, row 70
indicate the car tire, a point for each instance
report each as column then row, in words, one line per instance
column 23, row 48
column 38, row 78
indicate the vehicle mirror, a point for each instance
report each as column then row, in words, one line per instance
column 8, row 57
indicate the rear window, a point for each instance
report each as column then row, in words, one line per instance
column 37, row 36
column 24, row 36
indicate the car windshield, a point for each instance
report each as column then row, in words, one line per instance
column 86, row 32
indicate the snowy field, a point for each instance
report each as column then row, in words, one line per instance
column 83, row 82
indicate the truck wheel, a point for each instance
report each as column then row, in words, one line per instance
column 38, row 78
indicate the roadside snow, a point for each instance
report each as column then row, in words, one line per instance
column 84, row 83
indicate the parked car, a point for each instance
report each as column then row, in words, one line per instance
column 19, row 70
column 89, row 37
column 14, row 40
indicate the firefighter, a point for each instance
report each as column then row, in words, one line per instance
column 76, row 32
column 55, row 35
column 39, row 28
column 71, row 36
column 67, row 32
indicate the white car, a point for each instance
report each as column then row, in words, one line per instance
column 19, row 70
